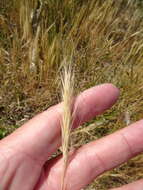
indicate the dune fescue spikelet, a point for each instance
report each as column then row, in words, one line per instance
column 67, row 97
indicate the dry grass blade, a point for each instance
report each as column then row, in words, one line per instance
column 67, row 97
column 34, row 51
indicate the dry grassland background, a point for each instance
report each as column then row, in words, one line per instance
column 102, row 39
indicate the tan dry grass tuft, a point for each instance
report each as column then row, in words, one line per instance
column 34, row 51
column 67, row 98
column 25, row 13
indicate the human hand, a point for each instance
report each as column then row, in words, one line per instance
column 24, row 154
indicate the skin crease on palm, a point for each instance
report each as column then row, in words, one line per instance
column 24, row 155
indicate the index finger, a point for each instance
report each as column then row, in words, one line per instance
column 41, row 136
